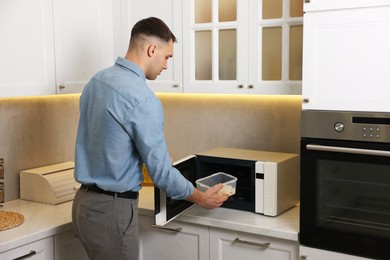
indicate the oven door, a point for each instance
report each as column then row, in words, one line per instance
column 345, row 197
column 167, row 209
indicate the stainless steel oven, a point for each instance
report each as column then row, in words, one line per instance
column 345, row 182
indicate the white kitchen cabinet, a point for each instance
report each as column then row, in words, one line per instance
column 55, row 46
column 240, row 46
column 26, row 48
column 232, row 245
column 346, row 55
column 176, row 241
column 322, row 5
column 86, row 40
column 170, row 12
column 38, row 250
column 308, row 253
column 68, row 247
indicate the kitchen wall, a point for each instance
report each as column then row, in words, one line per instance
column 39, row 131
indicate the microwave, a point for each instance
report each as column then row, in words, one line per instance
column 267, row 182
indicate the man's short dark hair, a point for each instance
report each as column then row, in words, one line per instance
column 153, row 26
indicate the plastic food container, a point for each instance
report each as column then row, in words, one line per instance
column 229, row 183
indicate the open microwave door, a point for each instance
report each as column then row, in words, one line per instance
column 167, row 209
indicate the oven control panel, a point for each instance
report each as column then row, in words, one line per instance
column 339, row 127
column 371, row 132
column 345, row 125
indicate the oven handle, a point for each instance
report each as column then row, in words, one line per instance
column 346, row 150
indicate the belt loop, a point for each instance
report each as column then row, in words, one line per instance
column 115, row 195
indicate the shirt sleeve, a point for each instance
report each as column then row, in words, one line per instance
column 146, row 128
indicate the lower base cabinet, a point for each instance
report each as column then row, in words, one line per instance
column 196, row 242
column 175, row 241
column 232, row 245
column 39, row 250
column 308, row 253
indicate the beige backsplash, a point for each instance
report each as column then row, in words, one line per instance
column 39, row 131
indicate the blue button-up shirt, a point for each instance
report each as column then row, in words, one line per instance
column 121, row 126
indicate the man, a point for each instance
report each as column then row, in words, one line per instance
column 120, row 128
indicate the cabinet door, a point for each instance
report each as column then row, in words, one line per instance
column 39, row 250
column 215, row 50
column 240, row 47
column 26, row 48
column 68, row 247
column 322, row 5
column 231, row 245
column 275, row 47
column 86, row 34
column 346, row 57
column 176, row 241
column 170, row 12
column 309, row 253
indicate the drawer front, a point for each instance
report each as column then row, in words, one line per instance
column 231, row 245
column 38, row 250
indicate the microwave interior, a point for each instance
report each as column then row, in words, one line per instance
column 243, row 170
column 196, row 167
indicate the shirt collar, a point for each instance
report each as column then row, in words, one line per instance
column 129, row 65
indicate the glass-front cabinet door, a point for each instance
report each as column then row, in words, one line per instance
column 275, row 46
column 240, row 46
column 215, row 48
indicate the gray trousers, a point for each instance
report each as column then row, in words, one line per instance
column 106, row 225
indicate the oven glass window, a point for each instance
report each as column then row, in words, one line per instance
column 354, row 197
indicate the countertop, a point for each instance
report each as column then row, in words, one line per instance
column 43, row 220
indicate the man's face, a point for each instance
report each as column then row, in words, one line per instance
column 160, row 56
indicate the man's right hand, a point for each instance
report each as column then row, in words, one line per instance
column 209, row 199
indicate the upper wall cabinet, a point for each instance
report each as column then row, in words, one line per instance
column 170, row 11
column 55, row 46
column 86, row 40
column 26, row 48
column 240, row 46
column 223, row 46
column 346, row 55
column 323, row 5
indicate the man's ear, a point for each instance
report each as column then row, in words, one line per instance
column 151, row 48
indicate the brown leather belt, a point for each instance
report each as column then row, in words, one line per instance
column 127, row 194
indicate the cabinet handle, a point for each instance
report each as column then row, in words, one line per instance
column 304, row 257
column 169, row 229
column 307, row 1
column 241, row 86
column 176, row 85
column 306, row 100
column 62, row 86
column 263, row 245
column 251, row 86
column 32, row 252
